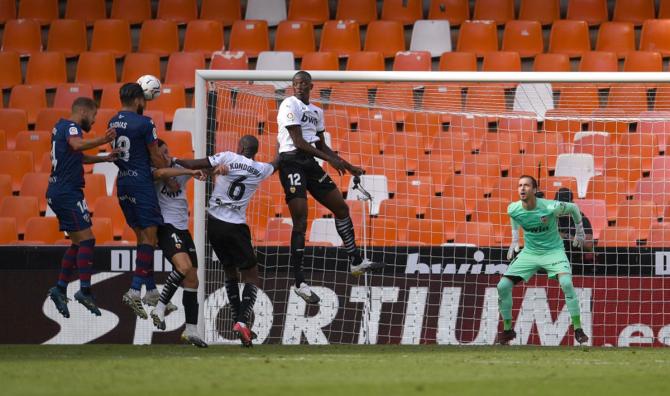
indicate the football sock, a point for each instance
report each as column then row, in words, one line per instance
column 571, row 299
column 233, row 292
column 85, row 264
column 67, row 264
column 345, row 229
column 171, row 284
column 190, row 301
column 248, row 301
column 505, row 286
column 143, row 267
column 297, row 252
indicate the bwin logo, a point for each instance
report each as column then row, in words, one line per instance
column 306, row 118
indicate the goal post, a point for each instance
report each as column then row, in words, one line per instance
column 443, row 153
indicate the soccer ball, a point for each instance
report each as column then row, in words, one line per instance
column 151, row 86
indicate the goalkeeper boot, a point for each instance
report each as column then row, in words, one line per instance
column 60, row 300
column 307, row 294
column 243, row 333
column 193, row 340
column 158, row 321
column 88, row 301
column 506, row 336
column 581, row 337
column 151, row 299
column 135, row 303
column 360, row 265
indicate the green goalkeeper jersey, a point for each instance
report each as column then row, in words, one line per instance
column 540, row 229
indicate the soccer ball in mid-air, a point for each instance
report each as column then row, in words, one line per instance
column 151, row 86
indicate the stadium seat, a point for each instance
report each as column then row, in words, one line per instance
column 7, row 10
column 360, row 11
column 503, row 144
column 312, row 11
column 660, row 168
column 486, row 166
column 376, row 185
column 524, row 37
column 20, row 208
column 449, row 210
column 158, row 117
column 659, row 236
column 34, row 184
column 494, row 211
column 662, row 99
column 184, row 120
column 385, row 232
column 501, row 61
column 110, row 99
column 499, row 11
column 271, row 11
column 178, row 11
column 113, row 36
column 181, row 68
column 639, row 215
column 102, row 229
column 22, row 36
column 229, row 60
column 664, row 9
column 400, row 209
column 205, row 37
column 159, row 37
column 109, row 170
column 13, row 121
column 366, row 60
column 47, row 118
column 96, row 68
column 569, row 37
column 224, row 11
column 458, row 61
column 456, row 145
column 403, row 11
column 551, row 185
column 341, row 37
column 654, row 190
column 596, row 211
column 597, row 144
column 87, row 11
column 8, row 234
column 36, row 142
column 108, row 207
column 10, row 69
column 592, row 11
column 250, row 36
column 323, row 231
column 353, row 99
column 545, row 12
column 598, row 61
column 467, row 187
column 134, row 11
column 94, row 188
column 128, row 235
column 611, row 120
column 552, row 62
column 426, row 232
column 320, row 61
column 628, row 97
column 67, row 36
column 42, row 230
column 46, row 69
column 489, row 99
column 479, row 37
column 179, row 143
column 643, row 61
column 618, row 37
column 610, row 189
column 455, row 11
column 655, row 36
column 634, row 11
column 29, row 98
column 580, row 166
column 295, row 36
column 137, row 64
column 527, row 164
column 431, row 35
column 618, row 237
column 580, row 99
column 412, row 61
column 277, row 230
column 386, row 37
column 478, row 234
column 536, row 98
column 41, row 11
column 3, row 140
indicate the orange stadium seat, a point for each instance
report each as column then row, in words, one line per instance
column 7, row 10
column 110, row 97
column 365, row 60
column 20, row 208
column 427, row 232
column 13, row 121
column 610, row 189
column 618, row 37
column 179, row 143
column 113, row 36
column 610, row 120
column 36, row 142
column 552, row 62
column 486, row 166
column 380, row 121
column 455, row 145
column 455, row 11
column 528, row 164
column 417, row 188
column 655, row 36
column 10, row 69
column 178, row 11
column 502, row 61
column 102, row 229
column 654, row 190
column 478, row 234
column 635, row 11
column 158, row 117
column 628, row 97
column 320, row 61
column 108, row 207
column 250, row 36
column 618, row 237
column 545, row 12
column 494, row 211
column 96, row 68
column 598, row 145
column 46, row 69
column 395, row 96
column 569, row 37
column 592, row 11
column 565, row 122
column 404, row 11
column 135, row 11
column 41, row 11
column 94, row 188
column 159, row 37
column 22, row 36
column 439, row 167
column 205, row 37
column 67, row 36
column 659, row 236
column 524, row 37
column 479, row 37
column 664, row 9
column 341, row 37
column 8, row 234
column 47, row 118
column 486, row 98
column 385, row 232
column 400, row 209
column 499, row 11
column 503, row 144
column 181, row 68
column 386, row 37
column 3, row 140
column 88, row 11
column 137, row 64
column 276, row 232
column 451, row 211
column 598, row 61
column 227, row 60
column 639, row 215
column 580, row 99
column 295, row 36
column 29, row 98
column 467, row 187
column 643, row 61
column 128, row 235
column 360, row 11
column 34, row 184
column 313, row 11
column 225, row 11
column 5, row 186
column 662, row 99
column 42, row 230
column 660, row 168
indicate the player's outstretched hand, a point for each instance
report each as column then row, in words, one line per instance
column 513, row 250
column 199, row 174
column 221, row 170
column 110, row 134
column 580, row 236
column 355, row 170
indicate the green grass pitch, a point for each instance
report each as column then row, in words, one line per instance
column 96, row 370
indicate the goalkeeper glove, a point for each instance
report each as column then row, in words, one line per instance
column 580, row 236
column 514, row 247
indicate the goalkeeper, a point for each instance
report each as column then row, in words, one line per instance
column 543, row 249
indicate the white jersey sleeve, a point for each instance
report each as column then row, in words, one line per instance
column 173, row 204
column 292, row 111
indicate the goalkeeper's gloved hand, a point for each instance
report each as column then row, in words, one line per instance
column 514, row 246
column 580, row 236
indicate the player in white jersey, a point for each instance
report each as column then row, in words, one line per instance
column 238, row 177
column 301, row 139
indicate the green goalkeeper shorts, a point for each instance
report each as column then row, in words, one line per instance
column 526, row 264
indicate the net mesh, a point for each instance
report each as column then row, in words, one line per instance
column 442, row 163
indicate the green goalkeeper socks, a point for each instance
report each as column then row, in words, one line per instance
column 571, row 299
column 505, row 301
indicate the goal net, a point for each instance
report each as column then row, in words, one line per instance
column 443, row 153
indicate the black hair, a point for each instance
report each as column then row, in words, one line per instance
column 249, row 144
column 533, row 182
column 84, row 102
column 564, row 194
column 305, row 75
column 129, row 92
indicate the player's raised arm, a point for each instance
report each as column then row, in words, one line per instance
column 563, row 208
column 77, row 143
column 200, row 163
column 514, row 246
column 162, row 173
column 94, row 159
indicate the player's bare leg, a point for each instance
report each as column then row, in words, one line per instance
column 345, row 228
column 146, row 242
column 183, row 266
column 572, row 302
column 242, row 327
column 298, row 208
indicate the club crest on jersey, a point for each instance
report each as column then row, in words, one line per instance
column 292, row 189
column 544, row 219
column 73, row 131
column 177, row 245
column 290, row 116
